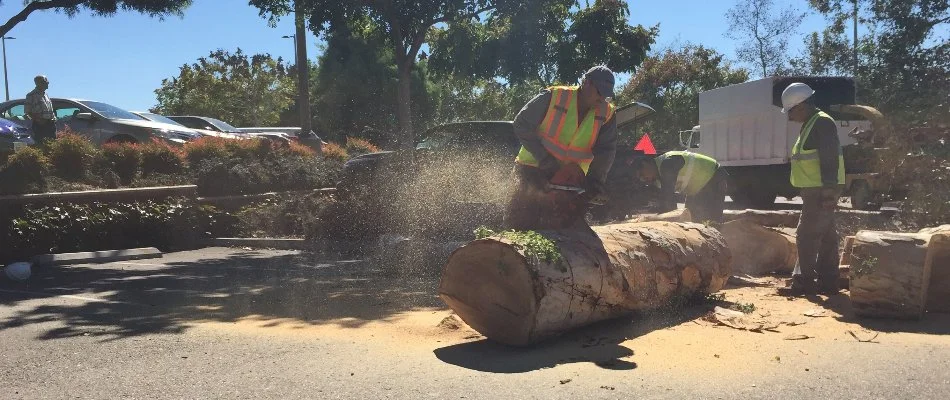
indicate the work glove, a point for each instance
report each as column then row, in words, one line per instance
column 829, row 198
column 548, row 166
column 594, row 192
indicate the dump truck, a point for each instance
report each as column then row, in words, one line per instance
column 743, row 127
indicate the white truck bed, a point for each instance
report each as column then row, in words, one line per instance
column 739, row 126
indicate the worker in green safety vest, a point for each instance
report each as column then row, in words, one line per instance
column 818, row 171
column 695, row 175
column 564, row 128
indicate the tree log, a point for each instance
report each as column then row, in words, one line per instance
column 938, row 258
column 765, row 218
column 757, row 250
column 513, row 297
column 889, row 275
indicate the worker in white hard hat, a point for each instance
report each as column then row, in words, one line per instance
column 818, row 171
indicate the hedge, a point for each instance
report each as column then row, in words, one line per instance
column 169, row 225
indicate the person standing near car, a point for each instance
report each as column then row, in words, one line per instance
column 818, row 170
column 561, row 126
column 40, row 110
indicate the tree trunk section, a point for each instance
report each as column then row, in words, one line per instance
column 757, row 250
column 514, row 298
column 889, row 274
column 765, row 218
column 938, row 257
column 407, row 137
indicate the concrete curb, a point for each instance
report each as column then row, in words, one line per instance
column 103, row 195
column 96, row 256
column 266, row 243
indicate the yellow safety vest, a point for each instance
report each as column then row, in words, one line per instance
column 561, row 134
column 806, row 167
column 696, row 172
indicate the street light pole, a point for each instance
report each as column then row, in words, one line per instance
column 294, row 38
column 6, row 81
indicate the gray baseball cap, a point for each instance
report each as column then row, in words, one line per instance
column 602, row 78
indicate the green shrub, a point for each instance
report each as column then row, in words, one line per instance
column 24, row 172
column 122, row 158
column 160, row 158
column 71, row 156
column 172, row 224
column 357, row 146
column 299, row 149
column 287, row 215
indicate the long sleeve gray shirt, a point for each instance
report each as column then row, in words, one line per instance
column 824, row 137
column 526, row 128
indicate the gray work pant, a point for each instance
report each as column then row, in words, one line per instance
column 817, row 238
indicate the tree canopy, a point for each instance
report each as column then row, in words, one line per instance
column 106, row 8
column 240, row 89
column 670, row 82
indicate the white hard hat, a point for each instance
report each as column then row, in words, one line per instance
column 18, row 271
column 794, row 95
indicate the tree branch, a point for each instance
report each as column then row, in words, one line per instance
column 447, row 18
column 36, row 6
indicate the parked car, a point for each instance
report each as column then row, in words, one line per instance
column 289, row 130
column 100, row 122
column 216, row 127
column 165, row 120
column 13, row 135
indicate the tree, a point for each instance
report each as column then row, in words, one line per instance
column 355, row 87
column 521, row 27
column 902, row 67
column 105, row 8
column 763, row 37
column 903, row 60
column 237, row 88
column 671, row 82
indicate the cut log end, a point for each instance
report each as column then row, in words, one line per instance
column 490, row 287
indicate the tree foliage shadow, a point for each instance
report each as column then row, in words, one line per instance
column 931, row 323
column 126, row 299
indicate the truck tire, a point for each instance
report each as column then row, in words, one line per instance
column 862, row 197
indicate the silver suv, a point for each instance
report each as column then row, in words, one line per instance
column 101, row 123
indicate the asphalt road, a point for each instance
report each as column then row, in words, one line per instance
column 177, row 328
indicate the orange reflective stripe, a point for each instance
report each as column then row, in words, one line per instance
column 562, row 114
column 564, row 154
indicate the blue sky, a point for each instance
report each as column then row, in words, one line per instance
column 123, row 59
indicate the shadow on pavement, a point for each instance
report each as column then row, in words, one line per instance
column 931, row 323
column 599, row 343
column 167, row 295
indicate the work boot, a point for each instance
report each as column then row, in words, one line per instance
column 828, row 287
column 801, row 286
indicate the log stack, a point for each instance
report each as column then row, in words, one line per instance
column 938, row 257
column 889, row 274
column 512, row 296
column 758, row 250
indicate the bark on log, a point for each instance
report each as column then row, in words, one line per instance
column 757, row 250
column 938, row 258
column 765, row 218
column 846, row 251
column 889, row 274
column 514, row 298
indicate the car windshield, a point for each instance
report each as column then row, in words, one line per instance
column 161, row 118
column 109, row 111
column 224, row 126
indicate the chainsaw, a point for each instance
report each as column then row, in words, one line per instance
column 564, row 195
